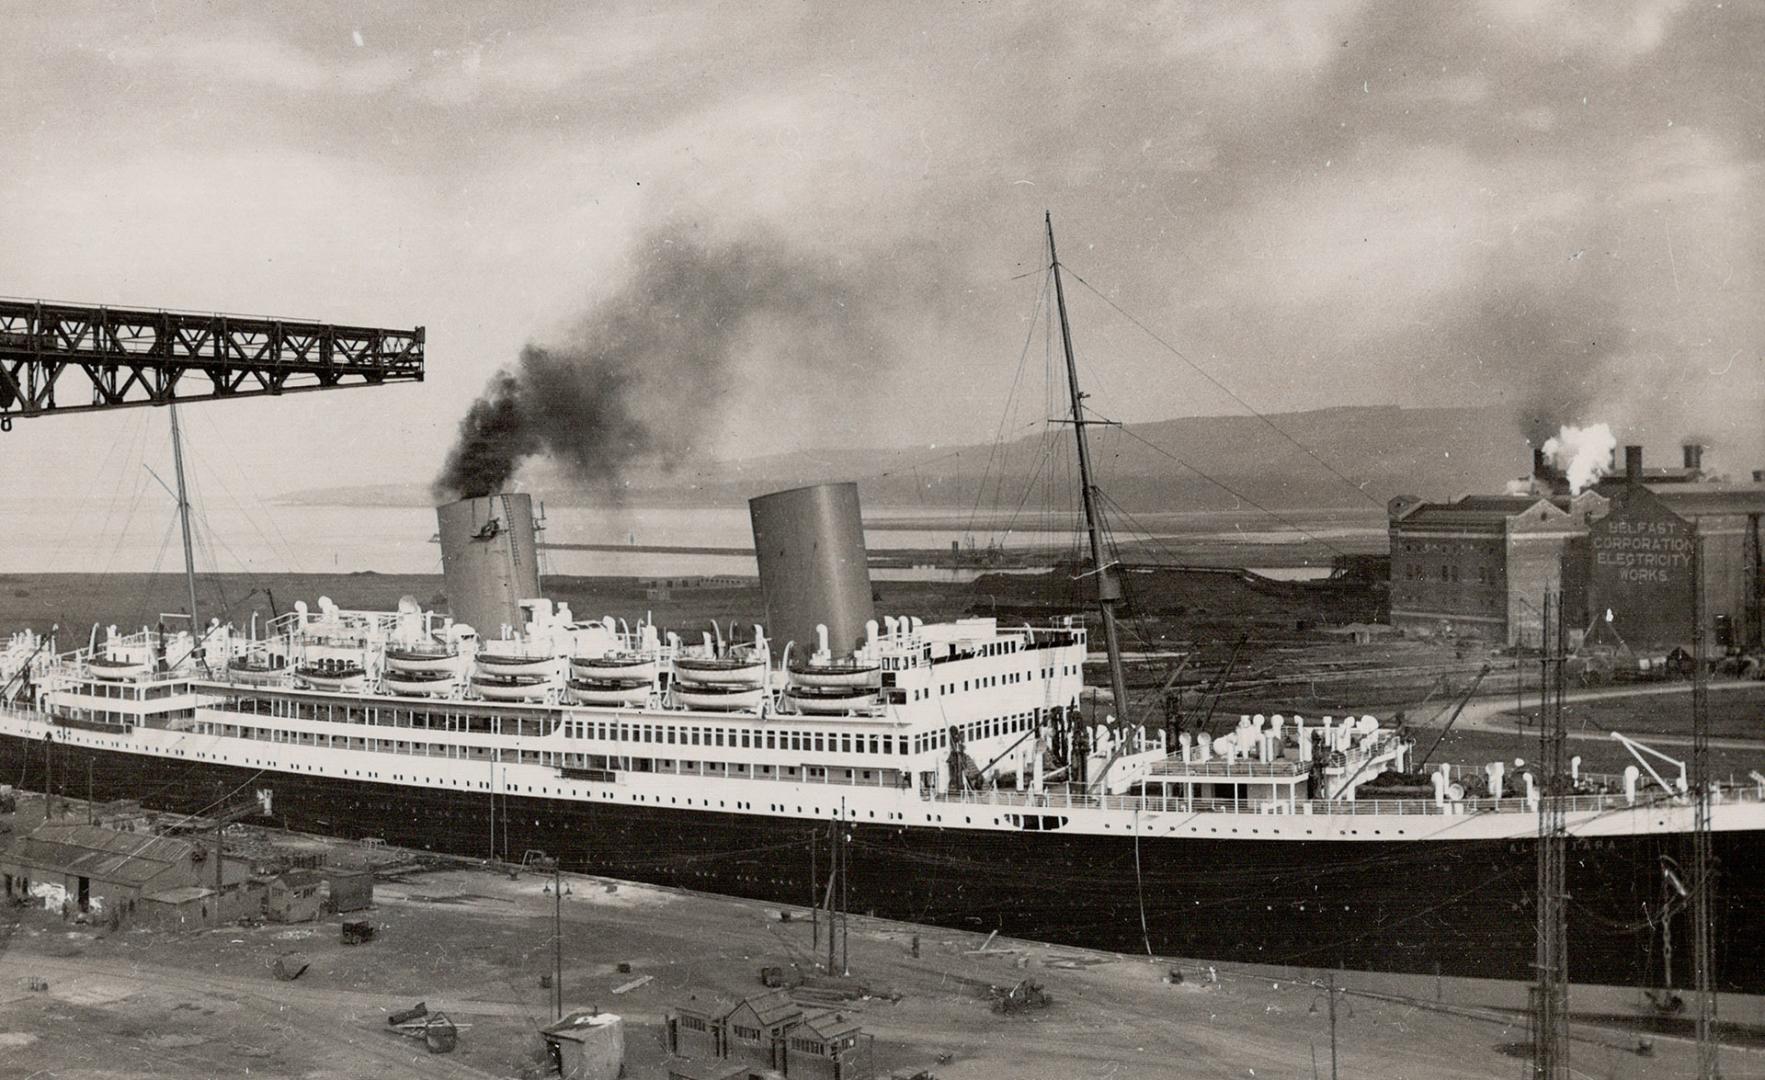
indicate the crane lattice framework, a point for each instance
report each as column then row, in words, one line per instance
column 132, row 356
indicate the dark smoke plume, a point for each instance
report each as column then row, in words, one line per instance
column 642, row 376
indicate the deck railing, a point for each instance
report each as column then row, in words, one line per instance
column 1152, row 804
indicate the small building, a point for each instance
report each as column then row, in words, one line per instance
column 294, row 896
column 351, row 890
column 828, row 1046
column 754, row 1030
column 695, row 1029
column 587, row 1046
column 767, row 1035
column 88, row 868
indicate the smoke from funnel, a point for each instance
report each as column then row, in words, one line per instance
column 642, row 376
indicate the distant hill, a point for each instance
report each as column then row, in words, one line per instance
column 1382, row 450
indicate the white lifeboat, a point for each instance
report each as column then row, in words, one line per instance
column 851, row 673
column 610, row 691
column 420, row 659
column 510, row 687
column 337, row 677
column 717, row 697
column 116, row 668
column 614, row 666
column 420, row 683
column 254, row 672
column 830, row 700
column 508, row 665
column 727, row 671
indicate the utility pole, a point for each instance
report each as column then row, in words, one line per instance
column 1550, row 1045
column 845, row 894
column 91, row 812
column 1332, row 1025
column 1703, row 866
column 814, row 893
column 833, row 871
column 558, row 935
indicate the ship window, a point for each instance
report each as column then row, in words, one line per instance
column 671, row 734
column 719, row 736
column 873, row 744
column 888, row 744
column 845, row 743
column 772, row 740
column 747, row 738
column 818, row 744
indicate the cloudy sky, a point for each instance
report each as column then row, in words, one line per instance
column 1554, row 206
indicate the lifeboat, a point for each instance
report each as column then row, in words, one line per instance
column 510, row 687
column 735, row 671
column 344, row 677
column 716, row 697
column 256, row 672
column 610, row 691
column 831, row 700
column 420, row 659
column 117, row 668
column 621, row 666
column 420, row 683
column 505, row 665
column 862, row 674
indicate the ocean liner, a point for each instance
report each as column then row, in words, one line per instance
column 955, row 760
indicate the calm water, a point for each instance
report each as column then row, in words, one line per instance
column 141, row 534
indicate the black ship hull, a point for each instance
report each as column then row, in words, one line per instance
column 1449, row 907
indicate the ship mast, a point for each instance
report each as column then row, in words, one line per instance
column 196, row 634
column 1108, row 589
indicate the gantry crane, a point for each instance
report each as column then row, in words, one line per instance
column 133, row 356
column 136, row 356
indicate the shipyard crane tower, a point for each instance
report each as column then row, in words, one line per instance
column 117, row 357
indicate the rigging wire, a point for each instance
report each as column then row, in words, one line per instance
column 1228, row 489
column 1203, row 372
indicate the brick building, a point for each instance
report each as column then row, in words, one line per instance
column 1480, row 566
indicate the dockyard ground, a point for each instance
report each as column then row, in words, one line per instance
column 473, row 941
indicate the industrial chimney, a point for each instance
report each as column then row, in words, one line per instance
column 1694, row 456
column 488, row 560
column 1633, row 464
column 813, row 567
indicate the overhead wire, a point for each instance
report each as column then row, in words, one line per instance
column 1204, row 373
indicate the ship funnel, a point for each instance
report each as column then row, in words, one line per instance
column 488, row 560
column 813, row 568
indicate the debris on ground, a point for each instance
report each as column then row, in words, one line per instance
column 357, row 932
column 405, row 1016
column 1027, row 994
column 633, row 984
column 290, row 966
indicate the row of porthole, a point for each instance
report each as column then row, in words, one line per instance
column 748, row 806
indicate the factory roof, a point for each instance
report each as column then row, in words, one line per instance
column 1692, row 500
column 1488, row 510
column 829, row 1025
column 770, row 1008
column 105, row 854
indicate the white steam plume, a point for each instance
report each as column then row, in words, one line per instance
column 1582, row 454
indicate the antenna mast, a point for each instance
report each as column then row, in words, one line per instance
column 1108, row 589
column 196, row 634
